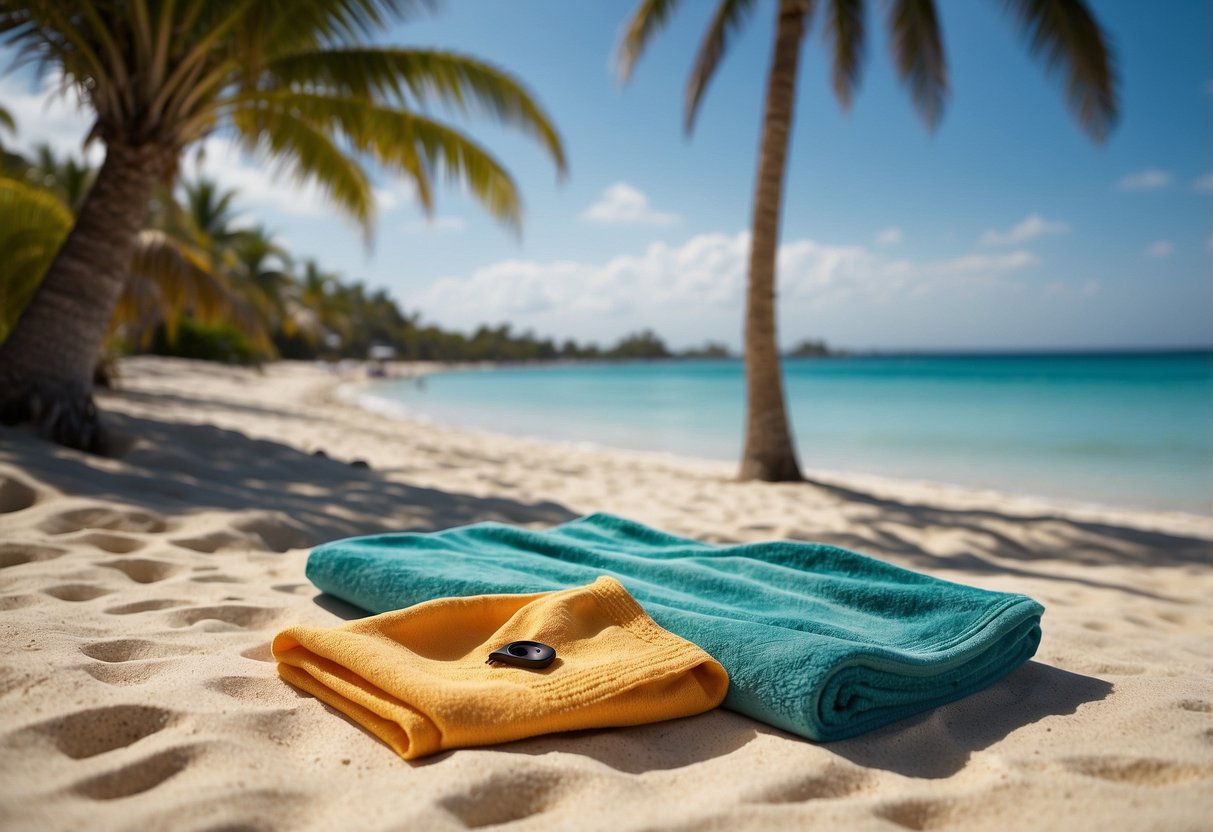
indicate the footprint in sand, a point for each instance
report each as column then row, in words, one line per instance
column 244, row 617
column 16, row 495
column 1141, row 771
column 220, row 578
column 143, row 570
column 146, row 606
column 138, row 777
column 918, row 814
column 834, row 782
column 94, row 731
column 131, row 649
column 15, row 554
column 505, row 797
column 103, row 517
column 208, row 544
column 16, row 602
column 76, row 592
column 113, row 543
column 127, row 662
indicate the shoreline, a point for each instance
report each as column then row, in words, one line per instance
column 358, row 393
column 139, row 594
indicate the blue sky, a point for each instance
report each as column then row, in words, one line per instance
column 1006, row 228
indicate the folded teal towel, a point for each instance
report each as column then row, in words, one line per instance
column 817, row 640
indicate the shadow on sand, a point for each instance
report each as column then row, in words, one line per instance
column 304, row 500
column 895, row 527
column 932, row 745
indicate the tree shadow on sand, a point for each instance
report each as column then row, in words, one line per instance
column 299, row 500
column 895, row 525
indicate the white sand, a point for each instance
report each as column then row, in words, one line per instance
column 138, row 595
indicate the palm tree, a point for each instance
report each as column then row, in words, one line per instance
column 1062, row 32
column 208, row 207
column 166, row 278
column 298, row 81
column 33, row 223
column 7, row 123
column 69, row 177
column 261, row 270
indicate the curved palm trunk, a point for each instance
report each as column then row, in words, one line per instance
column 46, row 364
column 769, row 453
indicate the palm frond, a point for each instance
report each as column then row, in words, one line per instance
column 403, row 141
column 169, row 279
column 917, row 46
column 421, row 76
column 650, row 17
column 844, row 28
column 7, row 121
column 1070, row 41
column 730, row 16
column 33, row 224
column 308, row 154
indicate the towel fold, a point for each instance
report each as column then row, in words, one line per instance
column 417, row 678
column 817, row 640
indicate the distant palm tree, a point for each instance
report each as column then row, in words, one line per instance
column 7, row 122
column 209, row 209
column 68, row 176
column 297, row 81
column 1062, row 32
column 260, row 269
column 166, row 278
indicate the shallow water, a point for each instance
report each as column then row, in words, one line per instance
column 1122, row 429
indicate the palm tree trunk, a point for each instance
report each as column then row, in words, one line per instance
column 769, row 453
column 47, row 362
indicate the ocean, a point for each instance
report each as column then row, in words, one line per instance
column 1118, row 429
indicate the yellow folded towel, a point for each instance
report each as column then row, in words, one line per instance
column 417, row 678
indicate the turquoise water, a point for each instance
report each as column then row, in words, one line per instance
column 1119, row 429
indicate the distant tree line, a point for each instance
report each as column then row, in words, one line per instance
column 204, row 286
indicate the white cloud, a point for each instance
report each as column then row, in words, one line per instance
column 1146, row 180
column 889, row 236
column 46, row 116
column 1061, row 288
column 258, row 184
column 705, row 274
column 623, row 203
column 386, row 199
column 1204, row 183
column 434, row 224
column 1029, row 228
column 1160, row 248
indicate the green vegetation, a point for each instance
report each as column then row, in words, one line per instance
column 809, row 348
column 303, row 85
column 201, row 287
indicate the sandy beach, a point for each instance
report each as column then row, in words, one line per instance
column 139, row 593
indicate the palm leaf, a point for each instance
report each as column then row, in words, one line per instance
column 33, row 224
column 918, row 55
column 650, row 17
column 844, row 28
column 307, row 153
column 1069, row 40
column 421, row 77
column 404, row 141
column 730, row 16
